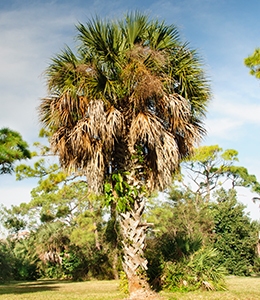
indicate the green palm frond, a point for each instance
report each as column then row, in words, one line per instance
column 134, row 28
column 190, row 80
column 162, row 36
column 100, row 40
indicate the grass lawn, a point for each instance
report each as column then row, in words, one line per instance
column 239, row 288
column 60, row 290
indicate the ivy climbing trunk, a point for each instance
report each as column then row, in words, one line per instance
column 135, row 264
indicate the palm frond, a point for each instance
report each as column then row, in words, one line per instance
column 134, row 28
column 161, row 147
column 114, row 126
column 190, row 80
column 162, row 36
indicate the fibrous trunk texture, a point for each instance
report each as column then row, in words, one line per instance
column 135, row 264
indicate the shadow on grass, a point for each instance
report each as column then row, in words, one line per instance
column 29, row 287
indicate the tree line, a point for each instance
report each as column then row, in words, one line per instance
column 199, row 231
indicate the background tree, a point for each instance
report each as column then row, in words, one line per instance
column 7, row 262
column 211, row 167
column 182, row 226
column 66, row 230
column 235, row 236
column 125, row 109
column 12, row 148
column 71, row 237
column 189, row 223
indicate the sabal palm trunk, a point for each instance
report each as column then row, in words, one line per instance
column 135, row 264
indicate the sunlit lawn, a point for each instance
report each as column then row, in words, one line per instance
column 238, row 289
column 58, row 290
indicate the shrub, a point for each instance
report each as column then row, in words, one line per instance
column 6, row 262
column 199, row 271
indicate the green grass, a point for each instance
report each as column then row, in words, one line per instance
column 60, row 290
column 239, row 288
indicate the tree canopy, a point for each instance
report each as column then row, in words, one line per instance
column 12, row 148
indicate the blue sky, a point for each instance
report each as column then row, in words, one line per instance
column 224, row 32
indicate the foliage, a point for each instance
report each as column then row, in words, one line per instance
column 186, row 221
column 12, row 148
column 68, row 224
column 26, row 260
column 256, row 266
column 210, row 167
column 7, row 262
column 181, row 227
column 120, row 194
column 253, row 63
column 195, row 272
column 65, row 223
column 132, row 89
column 235, row 236
column 123, row 284
column 16, row 261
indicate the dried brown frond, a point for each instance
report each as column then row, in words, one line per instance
column 162, row 161
column 95, row 169
column 60, row 144
column 138, row 52
column 62, row 110
column 80, row 141
column 85, row 69
column 141, row 72
column 163, row 153
column 114, row 127
column 147, row 55
column 179, row 111
column 147, row 85
column 189, row 138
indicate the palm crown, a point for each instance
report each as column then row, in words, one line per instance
column 133, row 99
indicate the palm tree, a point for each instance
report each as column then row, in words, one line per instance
column 126, row 108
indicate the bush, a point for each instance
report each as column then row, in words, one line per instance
column 256, row 267
column 199, row 271
column 25, row 270
column 7, row 262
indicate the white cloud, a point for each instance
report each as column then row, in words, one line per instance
column 223, row 128
column 28, row 38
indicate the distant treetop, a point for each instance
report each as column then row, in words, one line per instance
column 253, row 62
column 12, row 148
